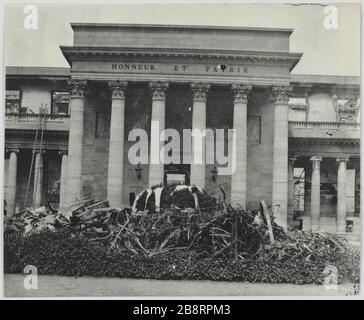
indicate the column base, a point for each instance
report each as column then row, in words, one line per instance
column 341, row 229
column 315, row 226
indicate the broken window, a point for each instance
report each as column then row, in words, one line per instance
column 12, row 101
column 60, row 102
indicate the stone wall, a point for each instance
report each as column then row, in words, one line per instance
column 321, row 108
column 274, row 40
column 219, row 116
column 34, row 96
column 260, row 154
column 35, row 92
column 137, row 115
column 96, row 141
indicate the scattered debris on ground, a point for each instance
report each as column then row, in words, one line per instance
column 175, row 233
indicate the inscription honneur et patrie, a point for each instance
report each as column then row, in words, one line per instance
column 179, row 68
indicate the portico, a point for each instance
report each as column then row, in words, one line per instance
column 166, row 80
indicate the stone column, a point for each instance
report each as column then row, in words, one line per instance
column 315, row 193
column 63, row 182
column 116, row 144
column 199, row 91
column 38, row 179
column 238, row 179
column 291, row 187
column 156, row 168
column 75, row 144
column 12, row 175
column 341, row 194
column 280, row 155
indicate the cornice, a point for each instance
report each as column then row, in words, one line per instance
column 27, row 132
column 141, row 26
column 74, row 53
column 323, row 141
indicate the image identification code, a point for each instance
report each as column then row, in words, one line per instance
column 187, row 309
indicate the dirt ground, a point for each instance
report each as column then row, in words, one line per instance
column 56, row 286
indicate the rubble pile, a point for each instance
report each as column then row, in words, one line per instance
column 160, row 237
column 34, row 220
column 83, row 215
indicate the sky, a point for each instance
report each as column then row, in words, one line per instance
column 326, row 51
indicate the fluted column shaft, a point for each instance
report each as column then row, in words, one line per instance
column 116, row 144
column 75, row 144
column 38, row 180
column 199, row 92
column 315, row 193
column 11, row 188
column 280, row 155
column 238, row 179
column 156, row 167
column 341, row 194
column 63, row 182
column 291, row 189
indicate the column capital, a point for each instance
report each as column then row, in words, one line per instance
column 77, row 88
column 118, row 88
column 12, row 150
column 63, row 152
column 292, row 159
column 316, row 162
column 240, row 92
column 281, row 94
column 37, row 151
column 342, row 159
column 158, row 89
column 200, row 91
column 316, row 159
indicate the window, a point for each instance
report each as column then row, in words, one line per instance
column 60, row 101
column 12, row 101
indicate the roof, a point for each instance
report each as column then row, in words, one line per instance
column 20, row 71
column 325, row 79
column 169, row 26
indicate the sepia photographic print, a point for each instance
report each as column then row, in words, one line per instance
column 181, row 150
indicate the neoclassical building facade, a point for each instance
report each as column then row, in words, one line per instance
column 297, row 136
